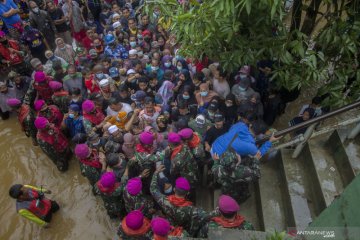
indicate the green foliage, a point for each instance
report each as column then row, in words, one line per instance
column 238, row 32
column 278, row 236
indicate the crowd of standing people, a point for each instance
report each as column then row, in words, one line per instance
column 105, row 81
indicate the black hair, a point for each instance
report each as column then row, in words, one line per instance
column 181, row 192
column 259, row 127
column 143, row 79
column 79, row 138
column 222, row 73
column 149, row 100
column 113, row 101
column 15, row 191
column 228, row 215
column 75, row 91
column 182, row 105
column 135, row 62
column 112, row 159
column 106, row 60
column 152, row 75
column 200, row 76
column 316, row 100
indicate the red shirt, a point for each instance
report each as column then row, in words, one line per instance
column 87, row 43
column 89, row 85
column 14, row 58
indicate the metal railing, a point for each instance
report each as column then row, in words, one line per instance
column 302, row 139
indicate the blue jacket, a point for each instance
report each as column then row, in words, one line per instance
column 244, row 144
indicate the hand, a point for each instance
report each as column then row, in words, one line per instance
column 207, row 147
column 145, row 173
column 258, row 155
column 216, row 157
column 273, row 138
column 137, row 111
column 159, row 169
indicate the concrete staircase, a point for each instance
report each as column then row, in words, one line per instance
column 293, row 192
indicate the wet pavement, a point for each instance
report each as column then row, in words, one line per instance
column 82, row 215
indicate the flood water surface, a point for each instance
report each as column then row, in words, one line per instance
column 81, row 216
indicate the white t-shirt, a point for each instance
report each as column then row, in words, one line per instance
column 126, row 108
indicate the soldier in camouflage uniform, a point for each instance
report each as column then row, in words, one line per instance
column 178, row 210
column 26, row 117
column 135, row 227
column 228, row 218
column 111, row 193
column 200, row 125
column 53, row 142
column 234, row 174
column 60, row 97
column 134, row 198
column 113, row 143
column 193, row 141
column 91, row 163
column 182, row 161
column 162, row 229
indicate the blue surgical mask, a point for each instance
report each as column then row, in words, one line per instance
column 133, row 44
column 169, row 190
column 186, row 97
column 203, row 94
column 179, row 68
column 154, row 68
column 167, row 64
column 99, row 75
column 71, row 115
column 242, row 89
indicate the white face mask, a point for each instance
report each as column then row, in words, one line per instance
column 169, row 190
column 36, row 10
column 242, row 75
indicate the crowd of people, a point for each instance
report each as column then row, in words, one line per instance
column 105, row 81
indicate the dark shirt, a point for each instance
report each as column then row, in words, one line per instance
column 214, row 133
column 57, row 14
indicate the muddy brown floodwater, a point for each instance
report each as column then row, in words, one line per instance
column 82, row 215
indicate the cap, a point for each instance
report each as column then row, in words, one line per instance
column 93, row 53
column 200, row 119
column 35, row 62
column 113, row 72
column 13, row 102
column 186, row 133
column 39, row 76
column 134, row 220
column 219, row 117
column 130, row 71
column 134, row 186
column 174, row 138
column 55, row 85
column 108, row 179
column 132, row 52
column 227, row 204
column 213, row 106
column 74, row 107
column 82, row 151
column 182, row 183
column 112, row 129
column 103, row 83
column 38, row 104
column 88, row 105
column 138, row 96
column 146, row 138
column 41, row 122
column 160, row 226
column 116, row 24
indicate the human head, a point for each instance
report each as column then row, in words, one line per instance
column 134, row 220
column 108, row 179
column 134, row 186
column 160, row 226
column 182, row 187
column 16, row 191
column 60, row 43
column 82, row 151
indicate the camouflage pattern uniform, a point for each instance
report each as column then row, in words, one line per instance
column 112, row 146
column 113, row 201
column 212, row 225
column 189, row 217
column 27, row 121
column 140, row 201
column 233, row 177
column 123, row 236
column 200, row 130
column 62, row 102
column 183, row 164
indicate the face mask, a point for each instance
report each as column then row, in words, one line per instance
column 242, row 89
column 63, row 48
column 97, row 143
column 75, row 99
column 167, row 64
column 203, row 94
column 71, row 115
column 211, row 114
column 169, row 190
column 154, row 68
column 36, row 10
column 228, row 104
column 179, row 68
column 186, row 97
column 99, row 75
column 52, row 58
column 242, row 75
column 133, row 44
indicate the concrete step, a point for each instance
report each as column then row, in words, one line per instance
column 303, row 188
column 205, row 198
column 274, row 200
column 352, row 149
column 326, row 169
